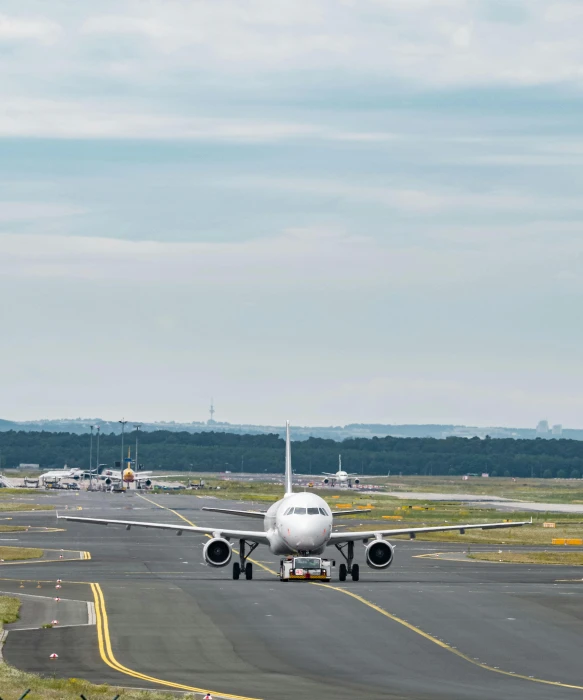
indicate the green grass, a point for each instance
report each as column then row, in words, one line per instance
column 14, row 682
column 11, row 507
column 18, row 553
column 415, row 513
column 561, row 558
column 9, row 608
column 538, row 490
column 18, row 492
column 13, row 528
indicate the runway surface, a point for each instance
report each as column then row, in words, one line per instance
column 424, row 629
column 497, row 502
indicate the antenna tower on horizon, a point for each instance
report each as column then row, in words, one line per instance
column 212, row 411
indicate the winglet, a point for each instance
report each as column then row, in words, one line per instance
column 288, row 465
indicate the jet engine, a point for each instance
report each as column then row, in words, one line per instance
column 108, row 482
column 379, row 554
column 326, row 481
column 357, row 481
column 147, row 482
column 217, row 552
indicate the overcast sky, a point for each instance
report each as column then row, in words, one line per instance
column 333, row 212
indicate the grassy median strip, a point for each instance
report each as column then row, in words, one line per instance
column 17, row 553
column 8, row 507
column 562, row 558
column 9, row 608
column 13, row 528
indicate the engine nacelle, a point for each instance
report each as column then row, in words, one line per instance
column 326, row 481
column 217, row 552
column 357, row 481
column 108, row 482
column 379, row 554
column 147, row 482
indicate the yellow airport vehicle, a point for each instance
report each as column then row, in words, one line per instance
column 305, row 569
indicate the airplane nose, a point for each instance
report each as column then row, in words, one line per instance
column 303, row 537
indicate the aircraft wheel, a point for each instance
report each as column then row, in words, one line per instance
column 236, row 571
column 342, row 572
column 355, row 572
column 249, row 571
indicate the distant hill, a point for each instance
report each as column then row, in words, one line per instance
column 80, row 426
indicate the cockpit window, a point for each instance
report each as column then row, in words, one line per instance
column 289, row 511
column 313, row 511
column 299, row 511
column 323, row 511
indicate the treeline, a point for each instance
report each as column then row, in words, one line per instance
column 220, row 452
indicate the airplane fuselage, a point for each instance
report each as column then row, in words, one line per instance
column 299, row 522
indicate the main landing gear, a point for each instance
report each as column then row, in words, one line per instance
column 349, row 568
column 244, row 566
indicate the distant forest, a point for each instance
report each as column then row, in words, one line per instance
column 220, row 452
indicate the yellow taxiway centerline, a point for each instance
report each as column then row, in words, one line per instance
column 265, row 568
column 106, row 653
column 441, row 644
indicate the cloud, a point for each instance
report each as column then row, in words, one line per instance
column 11, row 212
column 89, row 119
column 28, row 28
column 305, row 257
column 422, row 202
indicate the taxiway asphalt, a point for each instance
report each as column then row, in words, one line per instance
column 424, row 629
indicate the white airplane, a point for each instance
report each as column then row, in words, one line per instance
column 340, row 477
column 299, row 523
column 58, row 474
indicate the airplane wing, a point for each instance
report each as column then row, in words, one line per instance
column 251, row 535
column 328, row 474
column 148, row 475
column 242, row 513
column 350, row 512
column 339, row 537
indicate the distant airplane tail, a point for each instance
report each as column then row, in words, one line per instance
column 288, row 464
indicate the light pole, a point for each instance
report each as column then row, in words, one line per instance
column 123, row 422
column 97, row 459
column 91, row 453
column 137, row 427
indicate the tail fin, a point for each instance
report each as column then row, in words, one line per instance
column 288, row 465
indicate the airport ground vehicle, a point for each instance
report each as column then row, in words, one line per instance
column 305, row 569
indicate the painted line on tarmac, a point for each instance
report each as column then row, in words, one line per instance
column 444, row 645
column 106, row 653
column 265, row 568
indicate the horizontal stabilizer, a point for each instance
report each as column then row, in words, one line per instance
column 241, row 513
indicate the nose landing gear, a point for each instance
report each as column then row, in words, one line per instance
column 349, row 568
column 244, row 566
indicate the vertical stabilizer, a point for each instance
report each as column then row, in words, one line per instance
column 339, row 463
column 288, row 465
